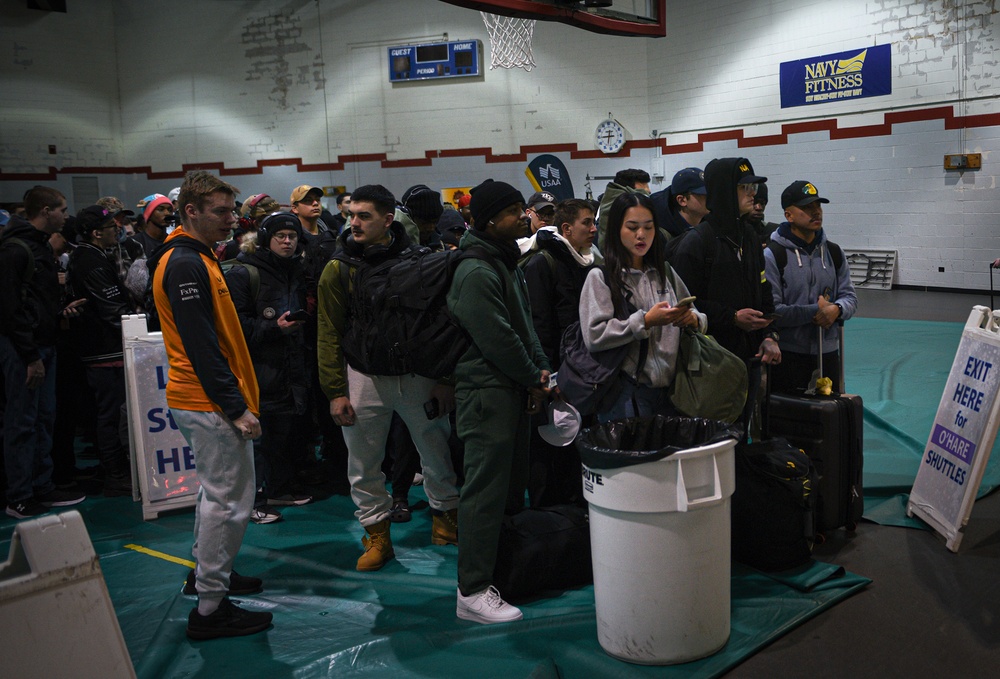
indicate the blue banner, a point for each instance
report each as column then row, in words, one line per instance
column 547, row 173
column 836, row 77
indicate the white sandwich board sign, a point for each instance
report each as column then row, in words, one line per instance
column 963, row 433
column 163, row 466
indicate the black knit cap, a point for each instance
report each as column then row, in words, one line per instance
column 489, row 198
column 423, row 202
column 275, row 222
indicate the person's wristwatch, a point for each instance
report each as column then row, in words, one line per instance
column 772, row 335
column 840, row 309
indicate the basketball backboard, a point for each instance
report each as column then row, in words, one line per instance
column 614, row 17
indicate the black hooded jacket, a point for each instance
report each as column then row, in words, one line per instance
column 279, row 357
column 93, row 274
column 29, row 306
column 668, row 214
column 722, row 263
column 554, row 287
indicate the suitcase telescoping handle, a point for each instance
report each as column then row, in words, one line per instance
column 819, row 362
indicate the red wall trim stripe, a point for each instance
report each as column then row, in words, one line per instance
column 944, row 113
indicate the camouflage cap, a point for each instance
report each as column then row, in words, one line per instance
column 258, row 205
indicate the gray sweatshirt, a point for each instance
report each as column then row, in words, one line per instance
column 601, row 330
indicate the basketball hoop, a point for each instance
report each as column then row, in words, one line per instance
column 510, row 41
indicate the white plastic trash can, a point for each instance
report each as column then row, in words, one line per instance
column 660, row 541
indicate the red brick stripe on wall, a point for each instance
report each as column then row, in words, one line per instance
column 945, row 113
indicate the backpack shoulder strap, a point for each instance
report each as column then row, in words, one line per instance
column 479, row 252
column 29, row 268
column 780, row 253
column 254, row 279
column 836, row 254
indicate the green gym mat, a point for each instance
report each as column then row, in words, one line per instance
column 900, row 369
column 331, row 621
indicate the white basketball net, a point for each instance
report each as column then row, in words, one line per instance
column 510, row 41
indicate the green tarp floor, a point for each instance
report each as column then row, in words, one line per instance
column 900, row 368
column 331, row 621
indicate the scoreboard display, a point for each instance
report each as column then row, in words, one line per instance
column 459, row 59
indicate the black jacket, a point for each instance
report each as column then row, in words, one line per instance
column 92, row 274
column 554, row 288
column 279, row 358
column 668, row 216
column 722, row 263
column 29, row 306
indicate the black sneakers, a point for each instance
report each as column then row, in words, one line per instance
column 229, row 620
column 60, row 498
column 239, row 585
column 400, row 512
column 26, row 509
column 117, row 486
column 41, row 504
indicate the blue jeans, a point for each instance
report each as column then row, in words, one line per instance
column 650, row 400
column 29, row 416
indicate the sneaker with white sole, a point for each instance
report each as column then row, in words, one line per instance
column 486, row 607
column 26, row 509
column 264, row 514
column 60, row 498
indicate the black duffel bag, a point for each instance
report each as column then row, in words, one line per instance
column 774, row 506
column 545, row 548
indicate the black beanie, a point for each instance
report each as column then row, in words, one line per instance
column 274, row 222
column 423, row 203
column 761, row 196
column 489, row 198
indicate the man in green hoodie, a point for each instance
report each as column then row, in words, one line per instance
column 501, row 380
column 631, row 180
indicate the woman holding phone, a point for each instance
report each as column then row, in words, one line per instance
column 636, row 299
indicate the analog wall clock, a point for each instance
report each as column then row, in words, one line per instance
column 610, row 136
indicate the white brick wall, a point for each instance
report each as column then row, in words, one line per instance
column 140, row 83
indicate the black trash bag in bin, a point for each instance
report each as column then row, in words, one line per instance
column 623, row 443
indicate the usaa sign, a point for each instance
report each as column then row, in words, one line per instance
column 836, row 77
column 547, row 173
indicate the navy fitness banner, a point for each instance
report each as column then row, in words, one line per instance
column 835, row 77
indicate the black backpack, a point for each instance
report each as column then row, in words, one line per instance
column 230, row 264
column 774, row 505
column 398, row 321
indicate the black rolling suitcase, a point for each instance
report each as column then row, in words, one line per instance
column 830, row 430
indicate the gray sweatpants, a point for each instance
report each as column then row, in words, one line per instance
column 225, row 471
column 374, row 398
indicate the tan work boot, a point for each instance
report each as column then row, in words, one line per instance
column 445, row 528
column 378, row 547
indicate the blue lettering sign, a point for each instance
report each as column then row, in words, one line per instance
column 179, row 460
column 977, row 368
column 161, row 419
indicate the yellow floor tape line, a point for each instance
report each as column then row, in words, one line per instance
column 161, row 555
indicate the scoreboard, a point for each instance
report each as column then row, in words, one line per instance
column 458, row 59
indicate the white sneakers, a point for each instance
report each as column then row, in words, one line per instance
column 486, row 607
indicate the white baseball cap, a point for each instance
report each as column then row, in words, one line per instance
column 564, row 424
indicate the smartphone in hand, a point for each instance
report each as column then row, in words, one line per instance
column 431, row 409
column 300, row 315
column 686, row 301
